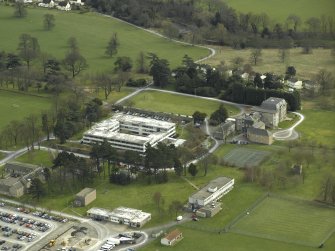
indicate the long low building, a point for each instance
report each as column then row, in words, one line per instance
column 121, row 215
column 212, row 192
column 127, row 132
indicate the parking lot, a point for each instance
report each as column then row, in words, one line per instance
column 21, row 229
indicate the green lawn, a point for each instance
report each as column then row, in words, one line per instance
column 292, row 119
column 306, row 65
column 16, row 106
column 177, row 104
column 93, row 32
column 318, row 126
column 287, row 220
column 279, row 10
column 37, row 157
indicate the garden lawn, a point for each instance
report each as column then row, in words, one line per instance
column 92, row 31
column 37, row 157
column 174, row 103
column 318, row 126
column 279, row 10
column 288, row 220
column 17, row 106
column 306, row 65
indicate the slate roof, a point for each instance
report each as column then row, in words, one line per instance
column 270, row 103
column 260, row 132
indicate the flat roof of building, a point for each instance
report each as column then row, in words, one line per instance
column 124, row 118
column 216, row 183
column 134, row 215
column 131, row 214
column 99, row 211
column 109, row 129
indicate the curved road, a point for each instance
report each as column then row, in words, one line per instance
column 290, row 133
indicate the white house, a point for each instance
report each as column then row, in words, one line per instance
column 294, row 83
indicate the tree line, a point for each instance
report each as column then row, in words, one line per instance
column 216, row 22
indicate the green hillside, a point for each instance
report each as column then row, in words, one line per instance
column 92, row 32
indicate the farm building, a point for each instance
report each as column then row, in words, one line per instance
column 17, row 178
column 85, row 197
column 172, row 238
column 261, row 136
column 212, row 192
column 121, row 215
column 127, row 132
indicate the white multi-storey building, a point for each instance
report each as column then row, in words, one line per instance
column 212, row 192
column 128, row 132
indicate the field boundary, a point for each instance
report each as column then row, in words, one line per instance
column 23, row 93
column 241, row 215
column 310, row 243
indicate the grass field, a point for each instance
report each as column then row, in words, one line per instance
column 93, row 32
column 287, row 220
column 279, row 10
column 319, row 126
column 178, row 104
column 243, row 157
column 306, row 65
column 16, row 106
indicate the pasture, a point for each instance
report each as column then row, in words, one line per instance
column 174, row 103
column 318, row 126
column 245, row 158
column 17, row 106
column 306, row 65
column 279, row 10
column 92, row 31
column 288, row 220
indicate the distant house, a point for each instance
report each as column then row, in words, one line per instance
column 294, row 83
column 172, row 238
column 273, row 110
column 85, row 197
column 261, row 136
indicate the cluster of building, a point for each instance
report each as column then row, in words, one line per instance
column 121, row 215
column 16, row 178
column 128, row 132
column 255, row 125
column 58, row 4
column 291, row 83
